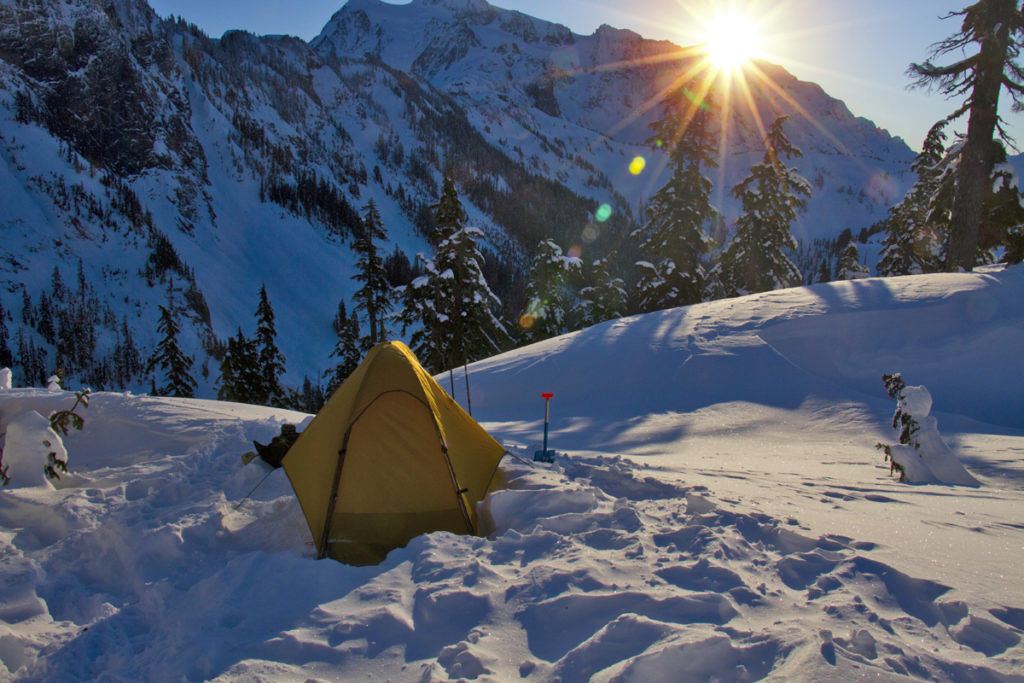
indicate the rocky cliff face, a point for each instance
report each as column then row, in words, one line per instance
column 171, row 168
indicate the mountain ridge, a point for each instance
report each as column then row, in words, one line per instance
column 212, row 166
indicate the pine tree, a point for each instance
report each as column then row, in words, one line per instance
column 996, row 26
column 28, row 312
column 451, row 305
column 46, row 327
column 309, row 399
column 58, row 290
column 605, row 297
column 346, row 349
column 916, row 227
column 240, row 371
column 675, row 238
column 170, row 359
column 549, row 298
column 270, row 360
column 469, row 304
column 770, row 197
column 824, row 271
column 1003, row 211
column 375, row 295
column 128, row 360
column 6, row 357
column 850, row 267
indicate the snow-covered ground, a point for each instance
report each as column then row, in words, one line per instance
column 717, row 511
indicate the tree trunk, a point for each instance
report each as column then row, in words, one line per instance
column 974, row 183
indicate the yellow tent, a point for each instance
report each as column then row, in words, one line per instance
column 389, row 456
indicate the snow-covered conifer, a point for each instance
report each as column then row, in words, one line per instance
column 604, row 297
column 1003, row 211
column 917, row 226
column 850, row 267
column 451, row 306
column 921, row 456
column 755, row 259
column 548, row 293
column 675, row 238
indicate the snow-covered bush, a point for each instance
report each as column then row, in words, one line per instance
column 921, row 457
column 32, row 449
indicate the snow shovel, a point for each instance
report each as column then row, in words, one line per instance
column 544, row 455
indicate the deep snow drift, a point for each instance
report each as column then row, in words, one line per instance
column 717, row 510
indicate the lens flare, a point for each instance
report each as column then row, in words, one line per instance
column 732, row 39
column 604, row 212
column 636, row 166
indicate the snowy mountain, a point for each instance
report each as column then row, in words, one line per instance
column 150, row 165
column 717, row 510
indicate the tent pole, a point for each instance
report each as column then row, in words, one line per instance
column 322, row 550
column 253, row 490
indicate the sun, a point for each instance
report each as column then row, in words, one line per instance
column 732, row 40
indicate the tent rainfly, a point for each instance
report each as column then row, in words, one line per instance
column 390, row 456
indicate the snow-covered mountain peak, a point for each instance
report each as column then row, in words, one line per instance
column 183, row 153
column 473, row 11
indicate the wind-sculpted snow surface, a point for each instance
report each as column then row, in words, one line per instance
column 736, row 541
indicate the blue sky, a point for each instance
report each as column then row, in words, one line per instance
column 858, row 50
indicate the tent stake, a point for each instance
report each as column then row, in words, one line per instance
column 253, row 490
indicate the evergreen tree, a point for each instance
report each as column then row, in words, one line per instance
column 917, row 226
column 58, row 290
column 605, row 297
column 375, row 295
column 346, row 349
column 6, row 357
column 850, row 267
column 32, row 360
column 449, row 214
column 268, row 391
column 309, row 399
column 996, row 27
column 240, row 373
column 419, row 313
column 1003, row 211
column 770, row 197
column 824, row 271
column 675, row 238
column 468, row 302
column 451, row 305
column 548, row 293
column 28, row 311
column 45, row 317
column 127, row 359
column 170, row 359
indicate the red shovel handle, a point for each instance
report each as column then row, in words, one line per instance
column 546, row 396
